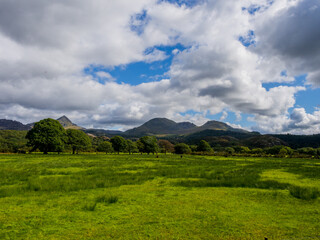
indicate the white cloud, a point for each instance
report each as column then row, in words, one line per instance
column 298, row 122
column 223, row 116
column 45, row 46
column 105, row 75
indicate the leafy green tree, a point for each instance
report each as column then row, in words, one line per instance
column 279, row 150
column 13, row 141
column 148, row 144
column 182, row 148
column 257, row 151
column 78, row 140
column 47, row 135
column 204, row 146
column 166, row 146
column 105, row 147
column 241, row 149
column 95, row 141
column 229, row 150
column 119, row 144
column 193, row 148
column 308, row 151
column 132, row 147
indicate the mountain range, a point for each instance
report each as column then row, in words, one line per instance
column 164, row 126
column 15, row 125
column 215, row 132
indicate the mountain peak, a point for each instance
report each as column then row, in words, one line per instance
column 66, row 123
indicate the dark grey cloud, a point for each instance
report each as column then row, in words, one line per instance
column 293, row 35
column 295, row 32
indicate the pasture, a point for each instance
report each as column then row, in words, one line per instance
column 99, row 196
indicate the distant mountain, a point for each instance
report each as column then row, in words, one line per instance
column 67, row 124
column 164, row 126
column 13, row 125
column 215, row 125
column 160, row 126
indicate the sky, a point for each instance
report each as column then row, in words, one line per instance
column 254, row 64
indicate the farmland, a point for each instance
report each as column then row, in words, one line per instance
column 100, row 196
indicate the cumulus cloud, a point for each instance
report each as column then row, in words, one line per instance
column 45, row 47
column 298, row 122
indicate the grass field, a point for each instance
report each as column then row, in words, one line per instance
column 144, row 197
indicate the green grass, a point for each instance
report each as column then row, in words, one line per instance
column 99, row 196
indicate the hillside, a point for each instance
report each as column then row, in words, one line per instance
column 102, row 132
column 219, row 137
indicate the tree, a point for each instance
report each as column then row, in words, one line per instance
column 119, row 144
column 47, row 135
column 131, row 147
column 241, row 149
column 148, row 144
column 78, row 140
column 204, row 146
column 229, row 150
column 166, row 146
column 105, row 147
column 182, row 148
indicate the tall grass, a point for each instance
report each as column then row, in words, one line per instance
column 64, row 173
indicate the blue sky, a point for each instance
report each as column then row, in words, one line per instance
column 115, row 65
column 138, row 72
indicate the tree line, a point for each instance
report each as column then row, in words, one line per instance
column 48, row 135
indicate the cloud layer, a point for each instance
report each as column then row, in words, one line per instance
column 232, row 48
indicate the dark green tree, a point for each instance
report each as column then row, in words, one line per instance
column 78, row 140
column 182, row 148
column 47, row 135
column 132, row 147
column 105, row 147
column 204, row 146
column 119, row 144
column 148, row 144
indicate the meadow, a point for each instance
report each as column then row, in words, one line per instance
column 100, row 196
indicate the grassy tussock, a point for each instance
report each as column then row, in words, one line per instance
column 304, row 193
column 106, row 198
